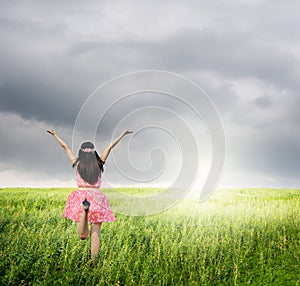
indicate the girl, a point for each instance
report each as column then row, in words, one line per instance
column 88, row 204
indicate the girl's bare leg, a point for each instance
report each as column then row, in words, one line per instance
column 83, row 228
column 95, row 240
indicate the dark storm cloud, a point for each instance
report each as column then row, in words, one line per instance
column 233, row 55
column 25, row 146
column 33, row 100
column 54, row 72
column 263, row 101
column 56, row 94
column 270, row 153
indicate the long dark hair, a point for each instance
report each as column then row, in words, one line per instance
column 89, row 164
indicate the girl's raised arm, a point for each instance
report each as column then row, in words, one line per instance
column 63, row 145
column 113, row 144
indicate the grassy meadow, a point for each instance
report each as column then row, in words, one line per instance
column 236, row 237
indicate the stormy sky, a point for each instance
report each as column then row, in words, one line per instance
column 243, row 54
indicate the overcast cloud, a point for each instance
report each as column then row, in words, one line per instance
column 244, row 54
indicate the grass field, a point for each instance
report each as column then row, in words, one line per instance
column 237, row 237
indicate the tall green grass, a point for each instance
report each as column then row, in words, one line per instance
column 237, row 237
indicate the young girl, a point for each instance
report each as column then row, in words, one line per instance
column 88, row 204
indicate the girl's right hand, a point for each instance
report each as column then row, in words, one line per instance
column 51, row 131
column 128, row 131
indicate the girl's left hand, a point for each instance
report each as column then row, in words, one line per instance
column 51, row 131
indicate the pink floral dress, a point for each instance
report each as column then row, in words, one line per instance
column 99, row 211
